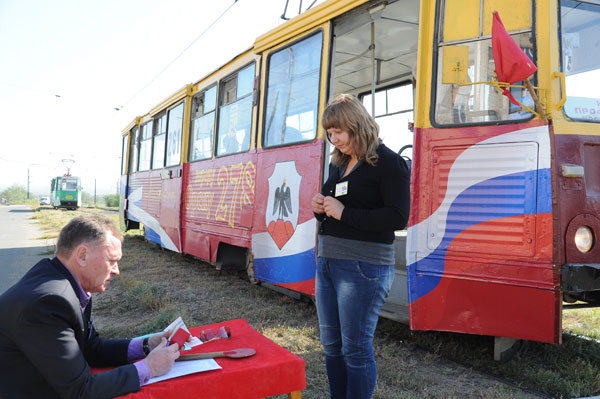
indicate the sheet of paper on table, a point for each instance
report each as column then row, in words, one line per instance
column 187, row 367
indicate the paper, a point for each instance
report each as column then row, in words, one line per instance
column 187, row 367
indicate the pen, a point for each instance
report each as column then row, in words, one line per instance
column 171, row 336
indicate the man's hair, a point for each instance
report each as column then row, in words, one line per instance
column 347, row 113
column 83, row 229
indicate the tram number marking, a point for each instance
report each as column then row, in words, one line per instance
column 195, row 198
column 234, row 184
column 223, row 180
column 248, row 174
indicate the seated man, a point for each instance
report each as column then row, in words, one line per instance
column 47, row 338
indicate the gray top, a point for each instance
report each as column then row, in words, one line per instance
column 363, row 251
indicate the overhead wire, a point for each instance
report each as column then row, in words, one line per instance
column 193, row 42
column 177, row 57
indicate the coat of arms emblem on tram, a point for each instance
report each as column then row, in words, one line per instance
column 281, row 216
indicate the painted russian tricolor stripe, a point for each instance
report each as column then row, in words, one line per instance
column 498, row 178
column 286, row 269
column 433, row 263
column 477, row 164
column 295, row 261
column 153, row 230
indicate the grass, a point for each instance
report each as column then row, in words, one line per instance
column 52, row 220
column 156, row 286
column 583, row 322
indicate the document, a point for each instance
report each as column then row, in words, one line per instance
column 187, row 367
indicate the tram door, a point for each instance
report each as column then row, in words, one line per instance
column 374, row 58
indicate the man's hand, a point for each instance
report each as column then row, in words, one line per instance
column 155, row 339
column 161, row 359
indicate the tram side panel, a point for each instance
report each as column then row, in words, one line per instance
column 170, row 205
column 284, row 228
column 218, row 204
column 481, row 234
column 145, row 193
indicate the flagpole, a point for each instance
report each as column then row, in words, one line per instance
column 535, row 99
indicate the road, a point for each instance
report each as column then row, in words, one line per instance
column 20, row 244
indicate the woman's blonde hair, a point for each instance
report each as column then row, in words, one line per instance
column 346, row 113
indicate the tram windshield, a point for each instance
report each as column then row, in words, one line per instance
column 69, row 185
column 466, row 98
column 580, row 29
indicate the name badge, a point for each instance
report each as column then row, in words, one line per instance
column 341, row 189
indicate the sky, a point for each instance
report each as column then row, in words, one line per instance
column 67, row 64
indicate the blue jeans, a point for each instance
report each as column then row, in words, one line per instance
column 349, row 297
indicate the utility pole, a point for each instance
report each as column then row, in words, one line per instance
column 94, row 192
column 27, row 183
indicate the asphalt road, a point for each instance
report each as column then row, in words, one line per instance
column 20, row 246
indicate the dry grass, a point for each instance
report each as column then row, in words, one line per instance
column 52, row 220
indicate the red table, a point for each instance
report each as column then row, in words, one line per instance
column 272, row 371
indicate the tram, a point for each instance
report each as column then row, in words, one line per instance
column 505, row 199
column 65, row 192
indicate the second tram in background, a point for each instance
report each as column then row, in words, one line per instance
column 65, row 192
column 504, row 224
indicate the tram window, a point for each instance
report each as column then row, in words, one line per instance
column 146, row 146
column 293, row 92
column 580, row 29
column 465, row 103
column 69, row 185
column 393, row 112
column 158, row 142
column 235, row 112
column 135, row 142
column 174, row 130
column 203, row 124
column 124, row 154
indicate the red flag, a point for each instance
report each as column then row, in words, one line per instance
column 512, row 64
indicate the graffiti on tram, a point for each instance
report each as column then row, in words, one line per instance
column 220, row 193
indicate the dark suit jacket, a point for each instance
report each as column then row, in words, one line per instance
column 47, row 344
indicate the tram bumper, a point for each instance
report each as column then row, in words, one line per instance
column 580, row 277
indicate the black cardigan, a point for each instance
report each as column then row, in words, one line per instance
column 377, row 202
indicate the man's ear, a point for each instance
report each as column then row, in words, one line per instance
column 81, row 253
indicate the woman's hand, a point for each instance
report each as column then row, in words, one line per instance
column 317, row 203
column 333, row 208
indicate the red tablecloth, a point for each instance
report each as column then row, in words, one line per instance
column 273, row 370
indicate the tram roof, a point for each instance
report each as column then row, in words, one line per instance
column 304, row 22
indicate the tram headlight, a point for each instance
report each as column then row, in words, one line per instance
column 584, row 239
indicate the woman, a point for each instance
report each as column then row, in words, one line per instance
column 364, row 200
